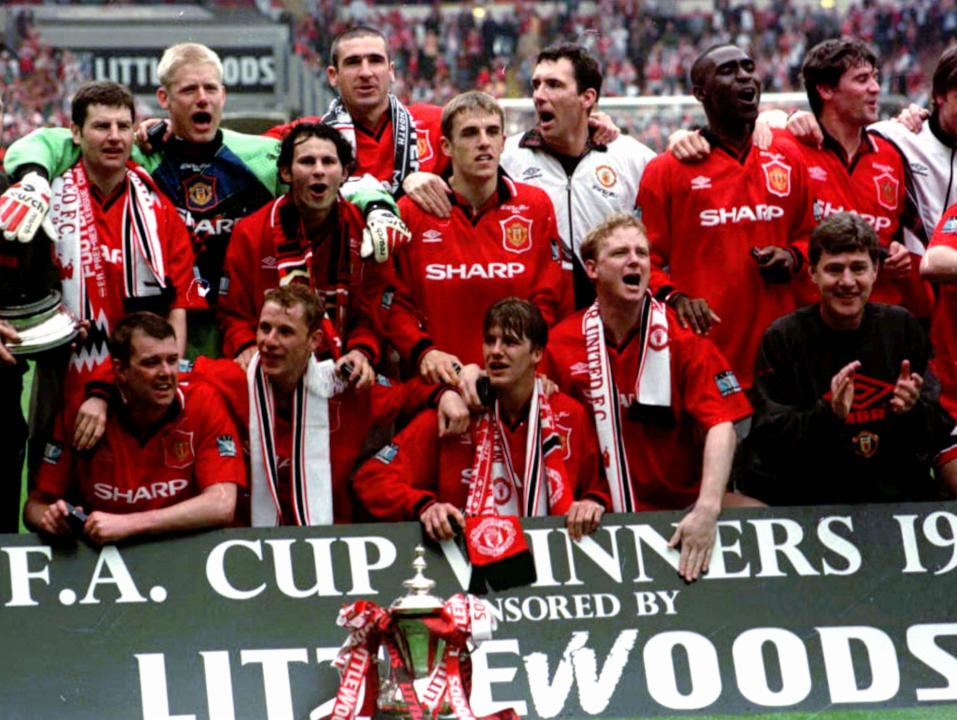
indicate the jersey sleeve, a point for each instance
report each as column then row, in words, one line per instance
column 390, row 399
column 180, row 260
column 400, row 480
column 654, row 203
column 590, row 482
column 50, row 148
column 709, row 388
column 55, row 474
column 219, row 457
column 554, row 293
column 237, row 311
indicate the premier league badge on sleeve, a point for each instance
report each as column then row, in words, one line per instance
column 226, row 446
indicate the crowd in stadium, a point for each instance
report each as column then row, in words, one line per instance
column 393, row 312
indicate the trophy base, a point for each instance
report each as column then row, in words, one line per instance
column 42, row 325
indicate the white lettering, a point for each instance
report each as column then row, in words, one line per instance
column 842, row 678
column 119, row 575
column 216, row 569
column 322, row 562
column 275, row 665
column 745, row 213
column 752, row 674
column 840, row 545
column 705, row 676
column 153, row 691
column 921, row 641
column 462, row 271
column 18, row 560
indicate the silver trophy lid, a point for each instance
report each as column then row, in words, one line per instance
column 419, row 597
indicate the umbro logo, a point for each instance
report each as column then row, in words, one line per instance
column 579, row 368
column 531, row 173
column 432, row 236
column 269, row 263
column 701, row 182
column 817, row 173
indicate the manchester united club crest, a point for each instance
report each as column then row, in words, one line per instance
column 565, row 437
column 200, row 192
column 424, row 146
column 502, row 490
column 492, row 537
column 178, row 449
column 777, row 176
column 517, row 234
column 658, row 337
column 866, row 443
column 887, row 187
column 606, row 176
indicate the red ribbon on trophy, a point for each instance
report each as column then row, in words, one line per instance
column 463, row 619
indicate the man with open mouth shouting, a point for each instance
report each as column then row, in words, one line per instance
column 730, row 232
column 663, row 398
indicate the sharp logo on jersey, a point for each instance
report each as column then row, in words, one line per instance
column 52, row 453
column 824, row 208
column 432, row 236
column 226, row 446
column 777, row 176
column 702, row 182
column 887, row 186
column 387, row 454
column 424, row 145
column 949, row 226
column 658, row 337
column 269, row 263
column 514, row 208
column 866, row 443
column 743, row 214
column 213, row 226
column 817, row 173
column 178, row 449
column 727, row 383
column 606, row 175
column 160, row 489
column 200, row 192
column 463, row 271
column 516, row 234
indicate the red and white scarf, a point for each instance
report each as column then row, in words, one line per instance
column 294, row 265
column 310, row 457
column 652, row 387
column 78, row 247
column 544, row 486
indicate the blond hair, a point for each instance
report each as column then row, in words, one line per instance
column 176, row 56
column 605, row 229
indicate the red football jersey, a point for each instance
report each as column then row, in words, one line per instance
column 375, row 148
column 664, row 460
column 178, row 259
column 943, row 327
column 251, row 269
column 703, row 220
column 419, row 467
column 197, row 446
column 455, row 269
column 871, row 185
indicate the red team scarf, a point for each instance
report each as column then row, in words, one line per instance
column 652, row 388
column 310, row 456
column 294, row 264
column 71, row 212
column 544, row 487
column 404, row 139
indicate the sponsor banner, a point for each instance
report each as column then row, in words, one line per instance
column 805, row 611
column 245, row 69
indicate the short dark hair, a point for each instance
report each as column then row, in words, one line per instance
column 288, row 296
column 698, row 66
column 350, row 34
column 301, row 132
column 104, row 92
column 591, row 245
column 945, row 74
column 150, row 324
column 587, row 72
column 844, row 232
column 520, row 318
column 827, row 61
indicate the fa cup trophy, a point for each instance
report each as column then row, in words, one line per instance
column 427, row 641
column 29, row 300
